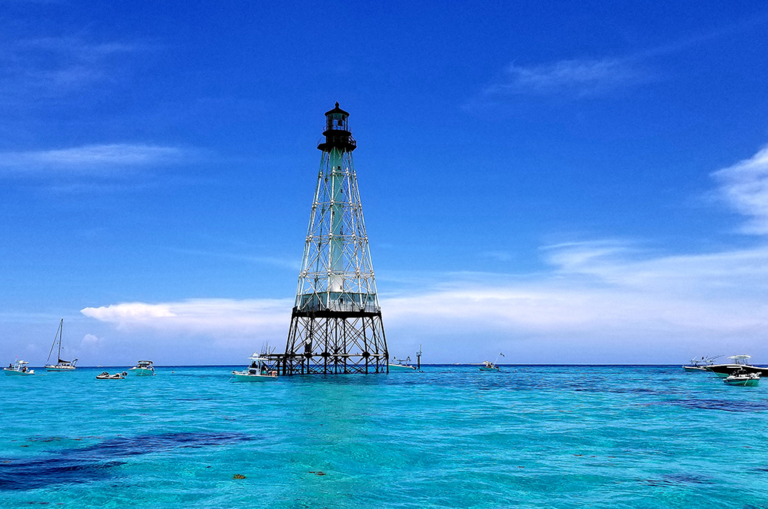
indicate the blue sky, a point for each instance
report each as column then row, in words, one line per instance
column 564, row 182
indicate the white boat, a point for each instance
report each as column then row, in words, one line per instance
column 739, row 363
column 743, row 379
column 699, row 365
column 144, row 368
column 61, row 365
column 107, row 376
column 491, row 366
column 257, row 371
column 19, row 368
column 401, row 364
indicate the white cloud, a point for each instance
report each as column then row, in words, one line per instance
column 596, row 296
column 608, row 295
column 214, row 318
column 580, row 77
column 744, row 186
column 101, row 160
column 89, row 340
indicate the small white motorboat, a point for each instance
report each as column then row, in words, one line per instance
column 18, row 368
column 257, row 371
column 742, row 378
column 699, row 365
column 144, row 368
column 491, row 366
column 107, row 376
column 401, row 364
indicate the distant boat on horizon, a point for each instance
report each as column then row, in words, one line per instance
column 700, row 364
column 61, row 365
column 491, row 366
column 403, row 364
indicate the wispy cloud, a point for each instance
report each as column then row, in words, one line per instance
column 744, row 186
column 48, row 67
column 578, row 77
column 502, row 256
column 95, row 160
column 584, row 77
column 283, row 262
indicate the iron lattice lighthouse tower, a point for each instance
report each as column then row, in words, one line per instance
column 336, row 324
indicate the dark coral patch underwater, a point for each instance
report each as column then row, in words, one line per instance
column 84, row 464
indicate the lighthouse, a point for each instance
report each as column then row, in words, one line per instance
column 336, row 325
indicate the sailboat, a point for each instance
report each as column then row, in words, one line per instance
column 61, row 365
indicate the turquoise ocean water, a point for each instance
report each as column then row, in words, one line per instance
column 451, row 436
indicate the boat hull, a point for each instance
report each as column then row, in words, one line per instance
column 694, row 369
column 143, row 372
column 54, row 369
column 401, row 367
column 743, row 383
column 725, row 370
column 253, row 378
column 489, row 369
column 13, row 372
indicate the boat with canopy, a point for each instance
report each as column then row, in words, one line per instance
column 257, row 370
column 18, row 368
column 700, row 365
column 144, row 368
column 401, row 364
column 739, row 363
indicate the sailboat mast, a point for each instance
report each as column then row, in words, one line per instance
column 55, row 338
column 61, row 333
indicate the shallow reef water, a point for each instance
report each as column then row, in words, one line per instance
column 450, row 436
